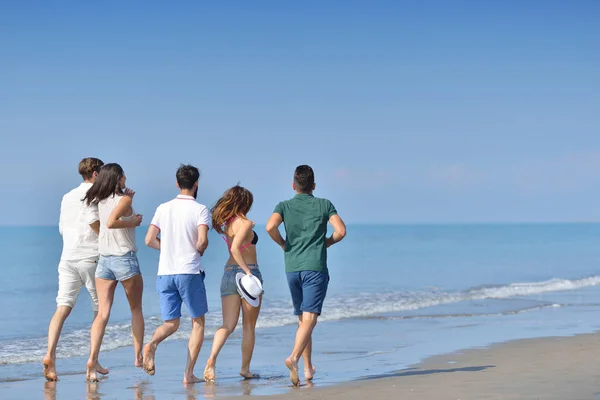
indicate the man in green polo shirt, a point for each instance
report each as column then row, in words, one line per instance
column 305, row 218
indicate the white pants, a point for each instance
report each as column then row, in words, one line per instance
column 72, row 276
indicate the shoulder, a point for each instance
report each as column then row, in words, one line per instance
column 166, row 204
column 283, row 204
column 244, row 222
column 323, row 200
column 200, row 207
column 125, row 200
column 75, row 192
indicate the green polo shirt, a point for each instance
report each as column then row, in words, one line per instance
column 305, row 219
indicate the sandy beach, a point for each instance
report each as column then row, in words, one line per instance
column 562, row 368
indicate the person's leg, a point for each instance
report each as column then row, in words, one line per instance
column 54, row 330
column 249, row 318
column 231, row 313
column 193, row 293
column 87, row 272
column 106, row 292
column 314, row 289
column 194, row 346
column 168, row 328
column 295, row 286
column 170, row 307
column 69, row 285
column 134, row 288
column 309, row 368
column 303, row 336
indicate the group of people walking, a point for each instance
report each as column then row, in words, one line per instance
column 98, row 224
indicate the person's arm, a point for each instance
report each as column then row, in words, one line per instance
column 152, row 239
column 120, row 210
column 95, row 227
column 273, row 229
column 92, row 218
column 339, row 230
column 244, row 227
column 203, row 223
column 60, row 218
column 202, row 239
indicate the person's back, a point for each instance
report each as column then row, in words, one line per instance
column 115, row 242
column 182, row 225
column 78, row 260
column 178, row 222
column 79, row 239
column 305, row 218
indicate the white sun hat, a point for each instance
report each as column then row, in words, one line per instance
column 249, row 287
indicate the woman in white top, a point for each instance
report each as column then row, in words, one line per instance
column 118, row 261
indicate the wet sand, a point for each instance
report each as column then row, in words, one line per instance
column 564, row 368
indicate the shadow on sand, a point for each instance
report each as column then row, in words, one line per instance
column 418, row 371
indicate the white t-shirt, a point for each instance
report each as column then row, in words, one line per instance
column 114, row 242
column 178, row 221
column 79, row 240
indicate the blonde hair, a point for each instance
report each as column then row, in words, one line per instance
column 88, row 166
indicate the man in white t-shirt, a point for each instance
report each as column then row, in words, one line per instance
column 78, row 225
column 182, row 224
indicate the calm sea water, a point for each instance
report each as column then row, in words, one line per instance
column 397, row 294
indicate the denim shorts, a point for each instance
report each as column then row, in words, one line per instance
column 118, row 268
column 175, row 290
column 308, row 290
column 228, row 285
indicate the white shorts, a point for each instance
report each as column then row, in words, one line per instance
column 72, row 276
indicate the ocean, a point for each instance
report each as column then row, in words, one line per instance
column 398, row 294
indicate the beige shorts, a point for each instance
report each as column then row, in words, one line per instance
column 72, row 276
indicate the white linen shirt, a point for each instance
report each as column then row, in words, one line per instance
column 79, row 240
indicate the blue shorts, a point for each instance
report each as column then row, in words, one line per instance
column 308, row 289
column 184, row 288
column 118, row 268
column 228, row 285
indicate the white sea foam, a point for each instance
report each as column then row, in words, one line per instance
column 276, row 314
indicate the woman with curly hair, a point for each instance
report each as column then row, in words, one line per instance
column 230, row 220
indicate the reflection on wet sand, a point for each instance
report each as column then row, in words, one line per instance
column 92, row 391
column 50, row 390
column 143, row 391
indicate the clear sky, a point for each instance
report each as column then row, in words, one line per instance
column 409, row 111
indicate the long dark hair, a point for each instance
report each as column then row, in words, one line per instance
column 236, row 201
column 106, row 184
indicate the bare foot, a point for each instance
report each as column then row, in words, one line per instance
column 192, row 379
column 91, row 372
column 310, row 373
column 293, row 367
column 209, row 374
column 148, row 360
column 101, row 370
column 139, row 362
column 246, row 374
column 50, row 369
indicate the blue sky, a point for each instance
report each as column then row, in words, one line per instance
column 416, row 111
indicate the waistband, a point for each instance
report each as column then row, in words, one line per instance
column 231, row 267
column 129, row 254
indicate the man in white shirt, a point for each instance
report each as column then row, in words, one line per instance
column 78, row 225
column 183, row 227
